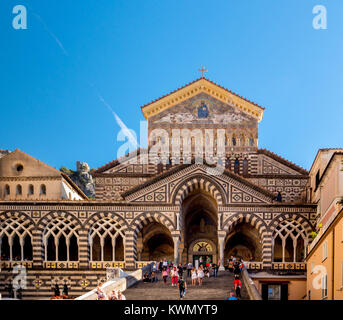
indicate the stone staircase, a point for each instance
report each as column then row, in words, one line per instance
column 211, row 289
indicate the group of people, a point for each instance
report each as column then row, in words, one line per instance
column 114, row 295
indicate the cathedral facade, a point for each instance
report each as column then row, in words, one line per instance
column 202, row 189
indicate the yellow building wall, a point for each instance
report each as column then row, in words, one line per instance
column 296, row 287
column 338, row 272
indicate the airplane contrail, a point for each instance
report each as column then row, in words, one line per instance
column 120, row 123
column 59, row 43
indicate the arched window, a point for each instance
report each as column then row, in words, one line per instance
column 31, row 190
column 234, row 141
column 289, row 242
column 7, row 190
column 236, row 166
column 60, row 240
column 242, row 140
column 15, row 239
column 251, row 141
column 245, row 167
column 43, row 189
column 228, row 164
column 106, row 240
column 19, row 190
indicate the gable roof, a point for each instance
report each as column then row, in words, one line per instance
column 283, row 161
column 202, row 85
column 158, row 178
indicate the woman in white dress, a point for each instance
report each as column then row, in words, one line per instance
column 194, row 276
column 201, row 275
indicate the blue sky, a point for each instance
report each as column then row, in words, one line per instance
column 132, row 52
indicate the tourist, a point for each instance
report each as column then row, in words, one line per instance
column 154, row 268
column 101, row 295
column 189, row 269
column 154, row 277
column 180, row 270
column 194, row 276
column 121, row 296
column 182, row 285
column 232, row 296
column 207, row 271
column 200, row 275
column 65, row 290
column 165, row 275
column 208, row 261
column 230, row 264
column 146, row 277
column 165, row 263
column 215, row 269
column 236, row 268
column 160, row 266
column 237, row 286
column 57, row 290
column 174, row 275
column 113, row 296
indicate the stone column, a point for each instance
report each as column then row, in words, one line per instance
column 267, row 249
column 38, row 249
column 84, row 255
column 130, row 250
column 221, row 244
column 176, row 240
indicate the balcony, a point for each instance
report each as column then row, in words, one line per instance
column 106, row 264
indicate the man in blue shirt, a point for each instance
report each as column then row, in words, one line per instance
column 232, row 296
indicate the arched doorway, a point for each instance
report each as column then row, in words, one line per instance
column 200, row 224
column 155, row 243
column 243, row 242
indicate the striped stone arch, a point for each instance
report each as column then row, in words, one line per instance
column 15, row 215
column 199, row 183
column 44, row 221
column 145, row 218
column 256, row 222
column 249, row 218
column 103, row 215
column 305, row 223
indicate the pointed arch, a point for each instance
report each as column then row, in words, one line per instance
column 198, row 182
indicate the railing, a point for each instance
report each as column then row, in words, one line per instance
column 126, row 281
column 11, row 264
column 61, row 264
column 250, row 286
column 141, row 264
column 106, row 264
column 253, row 265
column 292, row 266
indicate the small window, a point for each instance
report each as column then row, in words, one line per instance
column 43, row 189
column 245, row 167
column 317, row 179
column 236, row 166
column 324, row 286
column 7, row 190
column 325, row 250
column 31, row 190
column 19, row 190
column 242, row 140
column 19, row 167
column 251, row 142
column 234, row 142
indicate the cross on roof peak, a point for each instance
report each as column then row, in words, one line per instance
column 202, row 70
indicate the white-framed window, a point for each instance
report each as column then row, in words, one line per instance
column 325, row 250
column 312, row 266
column 324, row 286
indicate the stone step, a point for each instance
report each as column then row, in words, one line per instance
column 211, row 289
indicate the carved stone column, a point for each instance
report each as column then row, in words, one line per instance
column 221, row 244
